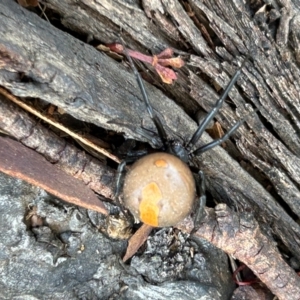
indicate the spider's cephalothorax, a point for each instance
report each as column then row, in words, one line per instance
column 160, row 189
column 177, row 149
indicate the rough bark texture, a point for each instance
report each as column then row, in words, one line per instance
column 22, row 126
column 214, row 37
column 240, row 236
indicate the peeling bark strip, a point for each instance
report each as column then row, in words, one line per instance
column 51, row 65
column 66, row 157
column 24, row 163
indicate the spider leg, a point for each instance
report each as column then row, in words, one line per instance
column 119, row 185
column 221, row 140
column 134, row 155
column 160, row 129
column 216, row 108
column 151, row 136
column 119, row 180
column 201, row 201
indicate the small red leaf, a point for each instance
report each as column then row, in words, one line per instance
column 167, row 75
column 116, row 47
column 159, row 61
column 167, row 53
column 175, row 62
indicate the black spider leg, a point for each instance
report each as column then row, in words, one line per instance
column 197, row 135
column 200, row 204
column 119, row 185
column 160, row 129
column 221, row 140
column 126, row 150
column 150, row 136
column 119, row 179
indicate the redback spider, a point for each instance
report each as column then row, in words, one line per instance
column 160, row 189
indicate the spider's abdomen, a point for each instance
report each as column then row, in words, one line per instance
column 159, row 190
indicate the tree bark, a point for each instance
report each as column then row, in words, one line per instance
column 261, row 172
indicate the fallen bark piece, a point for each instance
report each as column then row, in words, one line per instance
column 24, row 163
column 239, row 235
column 136, row 241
